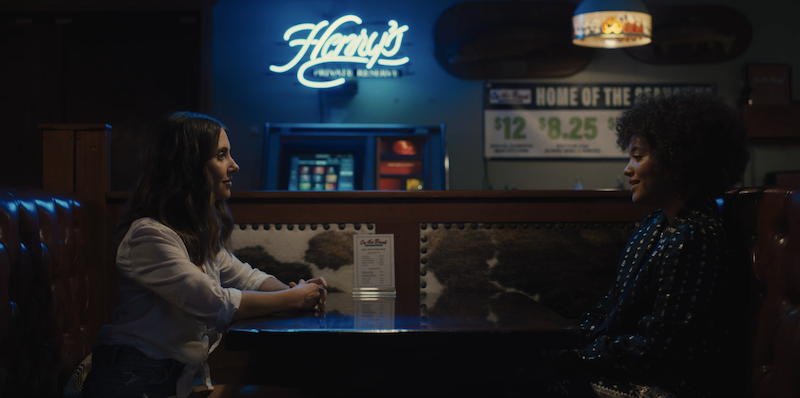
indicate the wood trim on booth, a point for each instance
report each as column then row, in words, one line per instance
column 76, row 160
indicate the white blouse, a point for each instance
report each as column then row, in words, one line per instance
column 169, row 308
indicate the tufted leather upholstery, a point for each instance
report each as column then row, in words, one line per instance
column 776, row 265
column 44, row 323
column 765, row 224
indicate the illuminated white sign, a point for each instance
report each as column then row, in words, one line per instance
column 334, row 47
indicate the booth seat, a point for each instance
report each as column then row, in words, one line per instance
column 44, row 322
column 772, row 237
column 46, row 329
column 763, row 225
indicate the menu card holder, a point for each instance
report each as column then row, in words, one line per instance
column 373, row 271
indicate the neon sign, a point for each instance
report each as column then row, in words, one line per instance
column 335, row 47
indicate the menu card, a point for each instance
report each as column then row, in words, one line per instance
column 373, row 271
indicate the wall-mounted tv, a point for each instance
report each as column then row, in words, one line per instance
column 346, row 157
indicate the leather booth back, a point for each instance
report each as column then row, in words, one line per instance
column 765, row 228
column 776, row 265
column 44, row 322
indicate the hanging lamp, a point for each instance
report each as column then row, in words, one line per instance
column 611, row 24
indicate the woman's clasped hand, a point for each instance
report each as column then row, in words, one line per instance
column 313, row 291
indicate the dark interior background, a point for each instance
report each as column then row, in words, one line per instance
column 127, row 62
column 121, row 67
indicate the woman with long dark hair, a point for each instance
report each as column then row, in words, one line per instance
column 179, row 285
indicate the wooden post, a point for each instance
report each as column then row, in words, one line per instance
column 58, row 160
column 76, row 159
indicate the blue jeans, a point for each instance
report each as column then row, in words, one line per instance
column 121, row 371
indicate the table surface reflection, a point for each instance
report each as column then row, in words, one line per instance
column 440, row 319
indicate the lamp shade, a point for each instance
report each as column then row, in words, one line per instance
column 611, row 24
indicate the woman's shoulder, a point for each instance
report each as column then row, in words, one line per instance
column 147, row 223
column 656, row 216
column 148, row 227
column 698, row 226
column 700, row 216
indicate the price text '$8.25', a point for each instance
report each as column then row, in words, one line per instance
column 513, row 127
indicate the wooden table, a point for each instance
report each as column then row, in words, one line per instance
column 442, row 321
column 457, row 343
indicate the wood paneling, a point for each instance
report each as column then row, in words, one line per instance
column 123, row 62
column 58, row 160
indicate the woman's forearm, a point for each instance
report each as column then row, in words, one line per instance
column 301, row 296
column 272, row 284
column 267, row 302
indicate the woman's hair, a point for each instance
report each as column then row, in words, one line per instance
column 694, row 138
column 175, row 187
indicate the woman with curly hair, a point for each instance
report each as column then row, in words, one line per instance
column 179, row 285
column 662, row 329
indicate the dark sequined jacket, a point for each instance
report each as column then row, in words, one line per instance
column 664, row 320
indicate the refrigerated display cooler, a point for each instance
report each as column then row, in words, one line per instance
column 347, row 157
